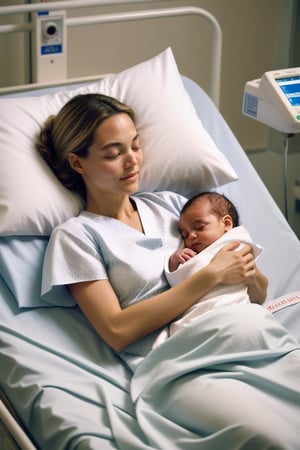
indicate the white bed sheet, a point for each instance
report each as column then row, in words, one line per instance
column 66, row 388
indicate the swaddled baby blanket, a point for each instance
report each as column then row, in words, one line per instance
column 217, row 297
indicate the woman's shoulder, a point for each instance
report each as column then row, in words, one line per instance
column 162, row 198
column 75, row 225
column 71, row 222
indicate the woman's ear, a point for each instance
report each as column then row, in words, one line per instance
column 75, row 163
column 228, row 222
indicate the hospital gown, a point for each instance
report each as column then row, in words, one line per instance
column 230, row 381
column 92, row 247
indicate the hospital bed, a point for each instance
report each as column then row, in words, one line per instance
column 61, row 386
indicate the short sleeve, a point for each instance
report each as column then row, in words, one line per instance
column 72, row 256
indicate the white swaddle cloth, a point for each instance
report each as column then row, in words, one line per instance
column 217, row 297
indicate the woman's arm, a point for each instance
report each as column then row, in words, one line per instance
column 121, row 327
column 257, row 287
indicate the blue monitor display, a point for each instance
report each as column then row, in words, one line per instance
column 290, row 86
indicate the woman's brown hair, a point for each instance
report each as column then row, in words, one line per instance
column 72, row 130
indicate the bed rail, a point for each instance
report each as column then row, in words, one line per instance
column 17, row 434
column 214, row 82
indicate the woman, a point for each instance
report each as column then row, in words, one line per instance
column 112, row 255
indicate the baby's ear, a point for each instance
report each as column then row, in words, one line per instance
column 228, row 222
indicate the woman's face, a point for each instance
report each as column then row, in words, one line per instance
column 114, row 159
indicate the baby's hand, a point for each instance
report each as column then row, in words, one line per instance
column 180, row 257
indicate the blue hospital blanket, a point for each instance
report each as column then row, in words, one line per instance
column 217, row 367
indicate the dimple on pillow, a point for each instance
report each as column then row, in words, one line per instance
column 179, row 154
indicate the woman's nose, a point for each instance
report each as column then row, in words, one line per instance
column 131, row 159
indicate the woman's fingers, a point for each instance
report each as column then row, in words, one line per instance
column 236, row 266
column 231, row 246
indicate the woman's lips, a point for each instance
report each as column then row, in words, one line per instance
column 130, row 176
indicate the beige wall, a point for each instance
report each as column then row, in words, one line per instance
column 14, row 59
column 256, row 38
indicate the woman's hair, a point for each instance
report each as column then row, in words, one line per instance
column 220, row 205
column 72, row 130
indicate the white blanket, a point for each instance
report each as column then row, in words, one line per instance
column 221, row 295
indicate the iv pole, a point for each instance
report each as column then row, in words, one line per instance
column 286, row 138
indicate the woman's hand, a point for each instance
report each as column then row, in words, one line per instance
column 234, row 267
column 239, row 266
column 257, row 287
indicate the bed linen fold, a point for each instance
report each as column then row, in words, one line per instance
column 61, row 385
column 209, row 366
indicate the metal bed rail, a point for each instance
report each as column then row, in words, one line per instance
column 19, row 437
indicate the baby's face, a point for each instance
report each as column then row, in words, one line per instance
column 199, row 227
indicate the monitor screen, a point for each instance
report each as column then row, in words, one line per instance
column 290, row 86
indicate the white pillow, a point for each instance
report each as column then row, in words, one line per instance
column 179, row 154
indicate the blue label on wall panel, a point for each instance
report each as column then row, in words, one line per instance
column 250, row 105
column 51, row 49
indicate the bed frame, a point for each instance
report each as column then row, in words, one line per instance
column 216, row 33
column 12, row 434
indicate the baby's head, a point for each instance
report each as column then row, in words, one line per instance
column 205, row 218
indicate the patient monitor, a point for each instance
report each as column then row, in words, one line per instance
column 274, row 100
